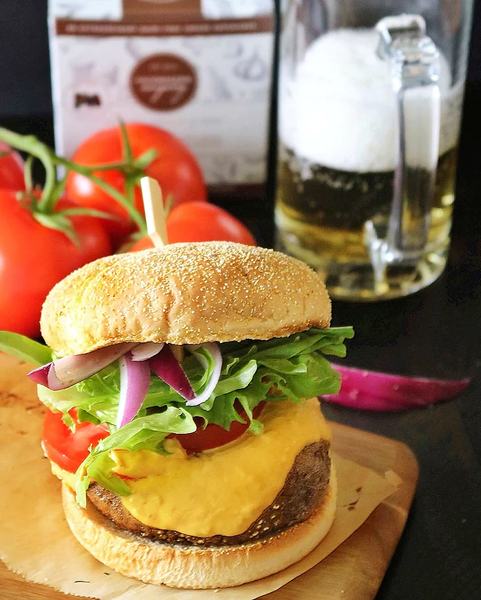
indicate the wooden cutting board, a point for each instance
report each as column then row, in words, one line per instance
column 355, row 569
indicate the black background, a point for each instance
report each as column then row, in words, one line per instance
column 24, row 58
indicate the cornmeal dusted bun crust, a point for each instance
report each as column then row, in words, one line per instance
column 194, row 567
column 184, row 294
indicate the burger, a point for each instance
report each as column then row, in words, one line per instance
column 183, row 417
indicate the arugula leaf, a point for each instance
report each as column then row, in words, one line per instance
column 24, row 348
column 206, row 360
column 294, row 367
column 143, row 433
column 238, row 380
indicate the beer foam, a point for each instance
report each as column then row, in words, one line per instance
column 339, row 109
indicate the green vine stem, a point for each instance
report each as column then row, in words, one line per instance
column 134, row 214
column 28, row 173
column 132, row 168
column 34, row 147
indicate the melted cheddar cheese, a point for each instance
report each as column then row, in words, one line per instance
column 221, row 491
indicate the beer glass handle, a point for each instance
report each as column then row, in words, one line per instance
column 414, row 62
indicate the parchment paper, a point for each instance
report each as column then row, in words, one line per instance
column 36, row 542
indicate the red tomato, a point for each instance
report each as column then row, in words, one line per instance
column 175, row 168
column 69, row 449
column 201, row 222
column 11, row 169
column 33, row 258
column 213, row 435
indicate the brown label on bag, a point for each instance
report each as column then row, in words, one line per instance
column 163, row 82
column 164, row 28
column 160, row 8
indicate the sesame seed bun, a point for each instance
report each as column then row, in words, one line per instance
column 184, row 294
column 196, row 567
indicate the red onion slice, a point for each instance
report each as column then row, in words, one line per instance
column 146, row 350
column 372, row 390
column 65, row 372
column 167, row 367
column 214, row 350
column 134, row 385
column 45, row 375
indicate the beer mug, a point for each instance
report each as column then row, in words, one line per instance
column 370, row 100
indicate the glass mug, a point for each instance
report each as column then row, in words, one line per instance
column 370, row 100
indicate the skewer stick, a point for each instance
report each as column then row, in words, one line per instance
column 154, row 211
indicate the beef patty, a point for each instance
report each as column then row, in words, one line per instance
column 301, row 495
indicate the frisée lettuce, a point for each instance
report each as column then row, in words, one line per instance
column 293, row 367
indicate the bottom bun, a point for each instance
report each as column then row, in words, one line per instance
column 194, row 567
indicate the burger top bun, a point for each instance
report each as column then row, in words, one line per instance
column 184, row 294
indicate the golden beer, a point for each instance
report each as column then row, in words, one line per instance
column 320, row 219
column 367, row 156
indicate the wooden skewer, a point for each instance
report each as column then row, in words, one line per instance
column 154, row 211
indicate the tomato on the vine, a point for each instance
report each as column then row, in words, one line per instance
column 201, row 222
column 33, row 258
column 11, row 169
column 66, row 448
column 175, row 168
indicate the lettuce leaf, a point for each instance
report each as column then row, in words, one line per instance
column 143, row 433
column 294, row 367
column 24, row 348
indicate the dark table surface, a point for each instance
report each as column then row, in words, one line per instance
column 434, row 333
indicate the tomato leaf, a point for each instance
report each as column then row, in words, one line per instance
column 126, row 147
column 58, row 190
column 129, row 190
column 30, row 144
column 60, row 223
column 88, row 212
column 134, row 214
column 24, row 348
column 168, row 203
column 145, row 159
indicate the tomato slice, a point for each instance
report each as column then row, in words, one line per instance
column 66, row 448
column 213, row 435
column 69, row 449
